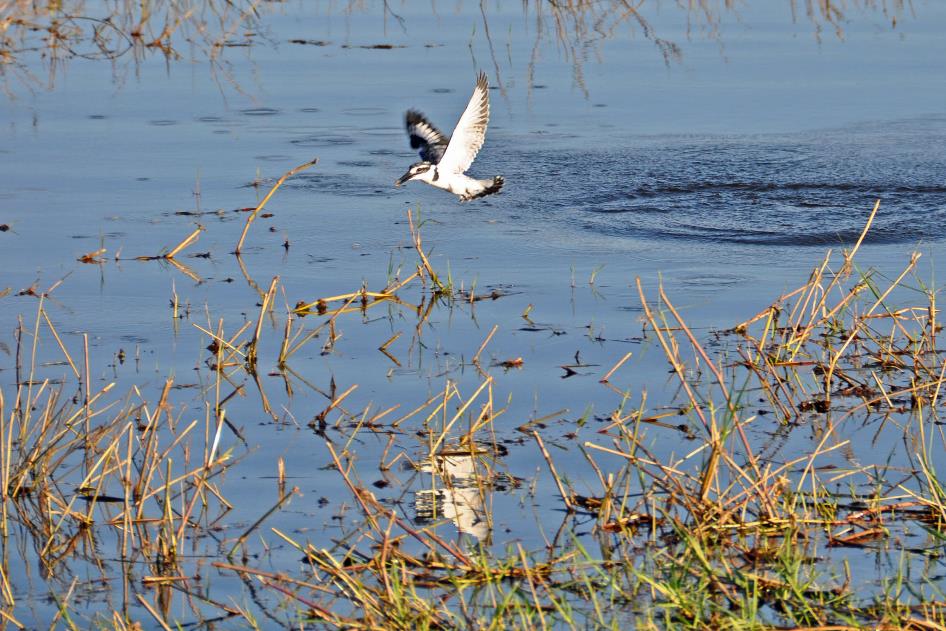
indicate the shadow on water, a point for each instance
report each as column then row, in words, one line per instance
column 796, row 189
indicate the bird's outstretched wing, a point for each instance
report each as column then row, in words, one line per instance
column 427, row 139
column 470, row 131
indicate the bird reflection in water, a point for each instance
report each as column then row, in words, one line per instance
column 461, row 482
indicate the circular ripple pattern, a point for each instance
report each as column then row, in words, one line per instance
column 800, row 189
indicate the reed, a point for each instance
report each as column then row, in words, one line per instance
column 719, row 536
column 259, row 207
column 134, row 469
column 724, row 529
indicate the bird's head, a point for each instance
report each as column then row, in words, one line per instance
column 417, row 170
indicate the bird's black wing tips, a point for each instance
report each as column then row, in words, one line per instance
column 425, row 137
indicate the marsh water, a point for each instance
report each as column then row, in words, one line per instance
column 725, row 173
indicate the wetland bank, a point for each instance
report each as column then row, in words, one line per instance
column 684, row 371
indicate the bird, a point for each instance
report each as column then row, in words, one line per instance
column 444, row 161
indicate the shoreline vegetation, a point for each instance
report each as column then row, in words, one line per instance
column 49, row 34
column 723, row 534
column 805, row 438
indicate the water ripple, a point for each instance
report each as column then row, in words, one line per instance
column 797, row 189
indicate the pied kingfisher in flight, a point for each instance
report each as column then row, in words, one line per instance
column 444, row 160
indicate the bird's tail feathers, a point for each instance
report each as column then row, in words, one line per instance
column 490, row 187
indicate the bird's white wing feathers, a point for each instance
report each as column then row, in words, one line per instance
column 468, row 136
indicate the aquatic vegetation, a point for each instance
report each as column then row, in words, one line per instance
column 743, row 524
column 95, row 483
column 124, row 32
column 344, row 419
column 725, row 535
column 118, row 31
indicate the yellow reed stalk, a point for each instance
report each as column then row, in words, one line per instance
column 288, row 174
column 189, row 240
column 267, row 301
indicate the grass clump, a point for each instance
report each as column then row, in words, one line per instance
column 733, row 532
column 786, row 478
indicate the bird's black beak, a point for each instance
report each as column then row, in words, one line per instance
column 402, row 179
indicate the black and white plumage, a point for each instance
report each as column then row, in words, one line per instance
column 427, row 139
column 444, row 161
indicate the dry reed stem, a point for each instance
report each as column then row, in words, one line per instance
column 229, row 344
column 721, row 383
column 479, row 351
column 418, row 247
column 154, row 614
column 189, row 240
column 11, row 619
column 119, row 452
column 252, row 216
column 169, row 256
column 840, row 351
column 62, row 346
column 257, row 332
column 319, row 306
column 607, row 376
column 819, row 305
column 335, row 402
column 275, row 508
column 458, row 414
column 262, row 574
column 384, row 347
column 558, row 481
column 706, row 542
